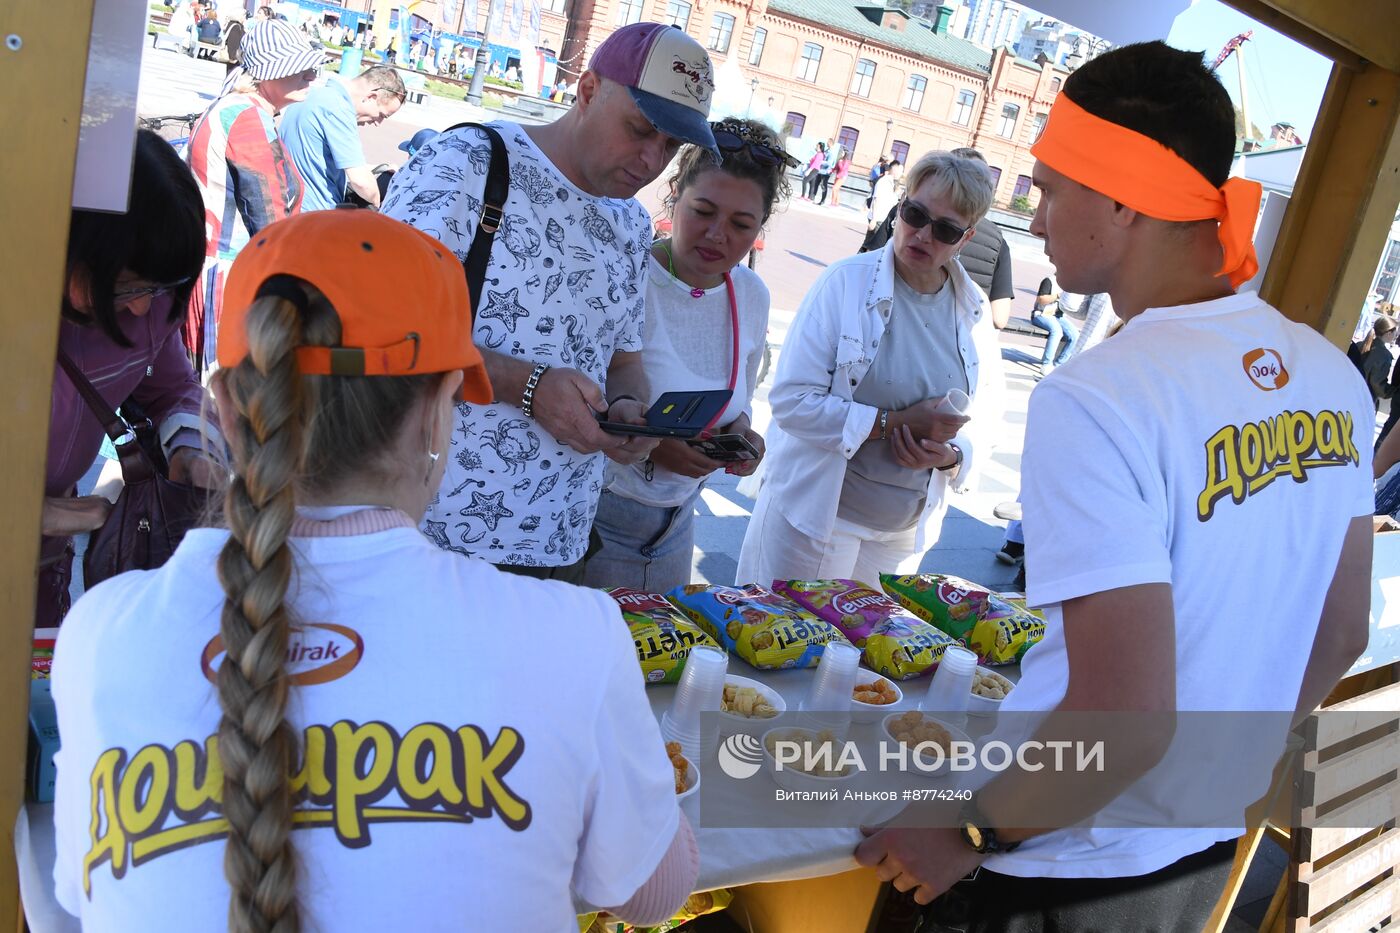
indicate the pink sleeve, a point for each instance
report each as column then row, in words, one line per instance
column 663, row 894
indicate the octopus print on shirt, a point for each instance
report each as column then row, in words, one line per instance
column 564, row 286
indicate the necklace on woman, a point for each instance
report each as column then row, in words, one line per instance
column 696, row 292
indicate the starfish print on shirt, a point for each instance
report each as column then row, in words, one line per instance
column 505, row 307
column 489, row 508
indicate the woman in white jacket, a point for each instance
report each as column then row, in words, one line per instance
column 864, row 449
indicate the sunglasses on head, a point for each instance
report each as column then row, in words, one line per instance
column 944, row 231
column 729, row 140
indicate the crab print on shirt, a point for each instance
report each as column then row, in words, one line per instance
column 565, row 287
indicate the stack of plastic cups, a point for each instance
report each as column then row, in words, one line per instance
column 828, row 703
column 951, row 686
column 701, row 689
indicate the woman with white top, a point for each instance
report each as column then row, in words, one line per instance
column 322, row 666
column 885, row 396
column 706, row 325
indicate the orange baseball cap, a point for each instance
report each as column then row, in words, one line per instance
column 401, row 296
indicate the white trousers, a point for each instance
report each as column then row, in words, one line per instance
column 774, row 550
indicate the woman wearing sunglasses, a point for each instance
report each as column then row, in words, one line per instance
column 245, row 178
column 706, row 320
column 129, row 279
column 887, row 388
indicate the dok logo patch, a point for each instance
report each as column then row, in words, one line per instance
column 1265, row 369
column 317, row 653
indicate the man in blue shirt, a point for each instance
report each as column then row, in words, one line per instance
column 321, row 134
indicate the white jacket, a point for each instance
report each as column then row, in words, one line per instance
column 817, row 427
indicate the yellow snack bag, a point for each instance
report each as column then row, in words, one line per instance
column 662, row 636
column 1005, row 632
column 903, row 647
column 758, row 625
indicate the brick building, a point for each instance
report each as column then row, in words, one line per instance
column 874, row 80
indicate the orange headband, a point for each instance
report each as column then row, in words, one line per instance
column 1145, row 175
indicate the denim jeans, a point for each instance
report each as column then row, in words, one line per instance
column 646, row 547
column 1055, row 326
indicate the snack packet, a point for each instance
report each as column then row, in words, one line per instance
column 757, row 624
column 951, row 604
column 1005, row 632
column 903, row 647
column 662, row 636
column 1019, row 601
column 42, row 662
column 852, row 607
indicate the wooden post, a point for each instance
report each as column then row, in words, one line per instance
column 43, row 79
column 1344, row 203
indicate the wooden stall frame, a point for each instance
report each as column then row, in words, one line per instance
column 43, row 63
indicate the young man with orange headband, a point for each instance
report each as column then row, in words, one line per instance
column 1197, row 512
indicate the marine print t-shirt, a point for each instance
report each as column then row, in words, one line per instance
column 1225, row 450
column 565, row 286
column 454, row 776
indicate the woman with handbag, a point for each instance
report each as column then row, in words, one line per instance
column 321, row 664
column 129, row 279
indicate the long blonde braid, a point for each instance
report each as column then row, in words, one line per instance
column 291, row 433
column 257, row 745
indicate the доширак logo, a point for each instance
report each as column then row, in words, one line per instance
column 740, row 756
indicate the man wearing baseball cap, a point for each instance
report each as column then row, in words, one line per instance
column 559, row 320
column 1197, row 497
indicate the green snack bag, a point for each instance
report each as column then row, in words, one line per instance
column 950, row 603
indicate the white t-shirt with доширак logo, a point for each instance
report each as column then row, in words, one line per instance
column 455, row 773
column 1222, row 449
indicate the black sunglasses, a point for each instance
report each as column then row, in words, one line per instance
column 762, row 153
column 944, row 231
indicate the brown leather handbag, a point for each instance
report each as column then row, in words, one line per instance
column 152, row 513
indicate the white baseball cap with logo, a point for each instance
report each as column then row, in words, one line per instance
column 669, row 76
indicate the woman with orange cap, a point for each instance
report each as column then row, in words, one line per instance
column 317, row 665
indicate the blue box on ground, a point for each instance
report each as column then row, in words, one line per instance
column 43, row 741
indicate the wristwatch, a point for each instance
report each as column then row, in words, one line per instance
column 956, row 463
column 973, row 828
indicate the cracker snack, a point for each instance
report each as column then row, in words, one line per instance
column 1004, row 632
column 951, row 604
column 903, row 647
column 662, row 636
column 852, row 607
column 758, row 625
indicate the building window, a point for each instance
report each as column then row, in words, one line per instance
column 795, row 122
column 721, row 29
column 862, row 79
column 899, row 149
column 809, row 63
column 1023, row 186
column 629, row 11
column 1009, row 113
column 996, row 178
column 1038, row 125
column 914, row 92
column 1054, row 85
column 678, row 13
column 846, row 139
column 962, row 110
column 760, row 38
column 553, row 6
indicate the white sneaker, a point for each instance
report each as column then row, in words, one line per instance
column 1046, row 369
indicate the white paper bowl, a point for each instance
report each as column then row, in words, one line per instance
column 874, row 712
column 733, row 722
column 689, row 799
column 943, row 766
column 791, row 778
column 986, row 706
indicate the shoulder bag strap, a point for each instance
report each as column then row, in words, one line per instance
column 111, row 422
column 493, row 208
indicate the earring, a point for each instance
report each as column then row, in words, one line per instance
column 433, row 457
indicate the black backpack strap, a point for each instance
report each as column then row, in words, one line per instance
column 493, row 207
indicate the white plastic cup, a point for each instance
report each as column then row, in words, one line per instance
column 834, row 682
column 700, row 690
column 956, row 402
column 951, row 686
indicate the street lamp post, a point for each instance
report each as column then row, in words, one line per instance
column 753, row 86
column 889, row 128
column 483, row 54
